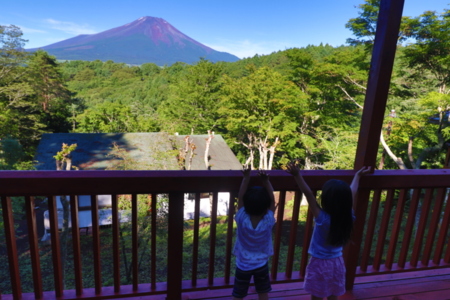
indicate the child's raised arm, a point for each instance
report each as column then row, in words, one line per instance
column 244, row 185
column 293, row 169
column 355, row 182
column 269, row 188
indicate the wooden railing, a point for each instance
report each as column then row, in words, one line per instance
column 402, row 224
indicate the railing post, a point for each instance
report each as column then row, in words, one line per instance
column 175, row 246
column 351, row 253
column 11, row 245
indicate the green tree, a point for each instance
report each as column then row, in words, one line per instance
column 260, row 111
column 365, row 25
column 193, row 100
column 431, row 50
column 108, row 117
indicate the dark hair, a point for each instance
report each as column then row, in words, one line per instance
column 256, row 200
column 337, row 201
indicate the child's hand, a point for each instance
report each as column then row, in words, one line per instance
column 264, row 176
column 246, row 170
column 292, row 168
column 363, row 171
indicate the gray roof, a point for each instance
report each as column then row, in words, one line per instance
column 143, row 151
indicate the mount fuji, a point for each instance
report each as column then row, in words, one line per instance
column 146, row 40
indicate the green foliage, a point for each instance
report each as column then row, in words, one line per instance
column 33, row 97
column 193, row 100
column 431, row 51
column 10, row 153
column 365, row 25
column 261, row 107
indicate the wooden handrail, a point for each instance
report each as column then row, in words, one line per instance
column 424, row 190
column 32, row 183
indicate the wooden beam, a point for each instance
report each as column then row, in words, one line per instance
column 383, row 55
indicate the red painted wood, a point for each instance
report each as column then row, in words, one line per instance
column 370, row 230
column 384, row 226
column 445, row 224
column 141, row 182
column 175, row 246
column 277, row 237
column 153, row 243
column 56, row 248
column 212, row 238
column 351, row 251
column 293, row 234
column 196, row 239
column 396, row 228
column 382, row 62
column 218, row 282
column 134, row 240
column 96, row 244
column 434, row 223
column 116, row 241
column 34, row 247
column 447, row 254
column 422, row 226
column 76, row 244
column 414, row 203
column 230, row 231
column 10, row 237
column 306, row 240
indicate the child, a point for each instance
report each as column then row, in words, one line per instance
column 253, row 245
column 325, row 274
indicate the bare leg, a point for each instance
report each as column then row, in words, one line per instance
column 263, row 296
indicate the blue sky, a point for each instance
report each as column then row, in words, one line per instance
column 243, row 28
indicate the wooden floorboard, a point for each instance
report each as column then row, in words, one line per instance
column 426, row 285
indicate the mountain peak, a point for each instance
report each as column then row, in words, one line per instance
column 149, row 37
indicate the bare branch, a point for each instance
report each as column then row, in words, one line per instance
column 396, row 159
column 350, row 97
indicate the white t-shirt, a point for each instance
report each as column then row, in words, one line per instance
column 253, row 246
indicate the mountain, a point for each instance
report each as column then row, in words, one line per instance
column 146, row 40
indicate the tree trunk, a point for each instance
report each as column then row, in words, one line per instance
column 208, row 143
column 272, row 153
column 396, row 159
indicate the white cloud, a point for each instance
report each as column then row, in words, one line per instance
column 31, row 30
column 69, row 27
column 247, row 48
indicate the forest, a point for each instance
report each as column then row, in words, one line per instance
column 297, row 103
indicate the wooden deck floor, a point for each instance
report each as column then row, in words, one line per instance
column 427, row 285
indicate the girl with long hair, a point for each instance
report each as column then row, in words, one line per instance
column 325, row 273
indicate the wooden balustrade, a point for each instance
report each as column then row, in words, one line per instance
column 404, row 219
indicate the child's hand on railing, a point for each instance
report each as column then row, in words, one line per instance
column 363, row 171
column 246, row 170
column 263, row 174
column 292, row 168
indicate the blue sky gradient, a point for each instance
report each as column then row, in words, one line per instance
column 243, row 28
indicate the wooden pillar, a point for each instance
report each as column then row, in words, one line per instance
column 383, row 55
